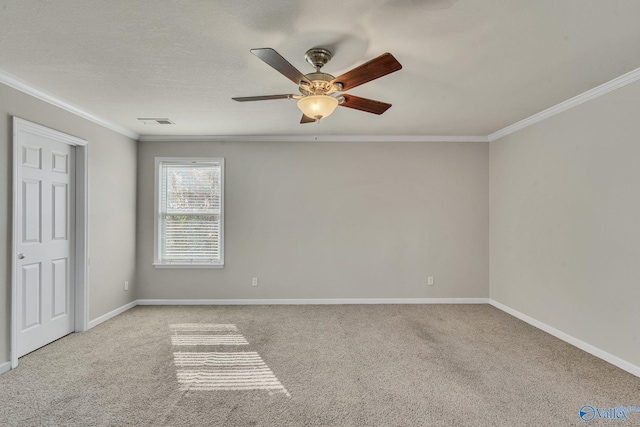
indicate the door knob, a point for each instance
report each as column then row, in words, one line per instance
column 21, row 256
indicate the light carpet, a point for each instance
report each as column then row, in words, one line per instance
column 350, row 365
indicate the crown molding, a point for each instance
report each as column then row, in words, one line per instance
column 311, row 138
column 596, row 92
column 29, row 89
column 618, row 82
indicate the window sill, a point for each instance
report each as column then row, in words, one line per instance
column 176, row 265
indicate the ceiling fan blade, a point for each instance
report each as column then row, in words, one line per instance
column 274, row 59
column 306, row 119
column 364, row 104
column 261, row 98
column 376, row 68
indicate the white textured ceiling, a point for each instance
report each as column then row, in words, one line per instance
column 471, row 67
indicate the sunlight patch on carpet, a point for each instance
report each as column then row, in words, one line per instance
column 208, row 340
column 197, row 327
column 215, row 370
column 183, row 359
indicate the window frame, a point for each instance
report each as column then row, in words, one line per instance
column 157, row 222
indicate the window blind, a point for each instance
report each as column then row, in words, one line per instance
column 190, row 213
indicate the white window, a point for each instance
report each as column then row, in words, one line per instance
column 189, row 220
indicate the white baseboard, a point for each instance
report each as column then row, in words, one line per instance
column 5, row 367
column 607, row 357
column 111, row 314
column 319, row 301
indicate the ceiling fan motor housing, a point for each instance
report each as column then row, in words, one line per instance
column 320, row 84
column 318, row 57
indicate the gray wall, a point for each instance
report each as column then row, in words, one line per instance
column 112, row 204
column 334, row 220
column 565, row 222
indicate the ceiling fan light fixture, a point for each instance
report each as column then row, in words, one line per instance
column 317, row 106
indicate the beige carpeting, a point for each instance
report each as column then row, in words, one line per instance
column 373, row 365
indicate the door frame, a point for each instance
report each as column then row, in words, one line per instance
column 81, row 288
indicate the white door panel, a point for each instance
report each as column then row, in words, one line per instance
column 46, row 206
column 60, row 280
column 31, row 291
column 31, row 210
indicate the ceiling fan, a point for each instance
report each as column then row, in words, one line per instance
column 321, row 91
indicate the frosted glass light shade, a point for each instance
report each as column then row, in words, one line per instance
column 317, row 106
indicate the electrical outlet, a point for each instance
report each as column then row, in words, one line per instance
column 126, row 285
column 254, row 281
column 430, row 281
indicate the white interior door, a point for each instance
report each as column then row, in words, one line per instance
column 44, row 239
